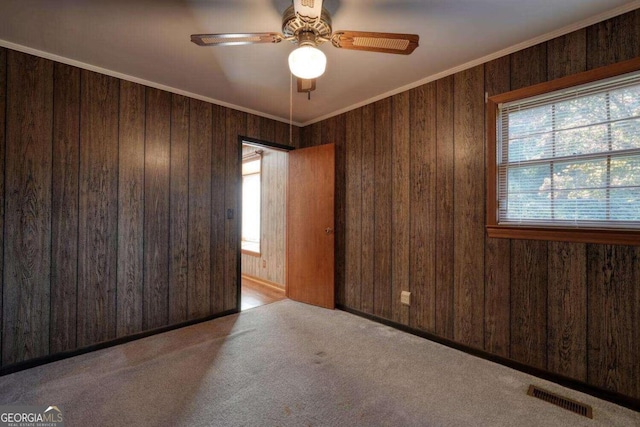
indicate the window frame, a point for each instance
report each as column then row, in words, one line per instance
column 256, row 156
column 624, row 236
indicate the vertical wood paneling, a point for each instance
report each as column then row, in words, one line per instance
column 314, row 135
column 614, row 40
column 382, row 210
column 64, row 207
column 353, row 209
column 528, row 257
column 236, row 126
column 282, row 134
column 116, row 198
column 497, row 316
column 156, row 213
column 368, row 204
column 533, row 294
column 445, row 170
column 274, row 213
column 614, row 337
column 400, row 203
column 468, row 207
column 304, row 137
column 337, row 136
column 529, row 66
column 28, row 208
column 179, row 214
column 218, row 218
column 567, row 55
column 497, row 251
column 567, row 310
column 295, row 135
column 567, row 287
column 98, row 227
column 131, row 207
column 422, row 165
column 328, row 130
column 529, row 302
column 613, row 271
column 253, row 127
column 199, row 269
column 267, row 129
column 3, row 109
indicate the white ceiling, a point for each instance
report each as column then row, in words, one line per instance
column 148, row 41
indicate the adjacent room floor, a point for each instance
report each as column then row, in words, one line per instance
column 255, row 294
column 290, row 364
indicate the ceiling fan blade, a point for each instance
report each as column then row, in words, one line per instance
column 231, row 39
column 306, row 85
column 402, row 44
column 311, row 9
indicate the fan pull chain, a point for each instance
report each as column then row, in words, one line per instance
column 290, row 109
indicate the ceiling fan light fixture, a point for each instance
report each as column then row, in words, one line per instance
column 307, row 62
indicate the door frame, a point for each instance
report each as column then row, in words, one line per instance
column 258, row 143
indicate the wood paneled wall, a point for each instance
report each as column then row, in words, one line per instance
column 270, row 264
column 410, row 214
column 113, row 207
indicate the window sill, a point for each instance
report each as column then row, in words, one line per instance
column 250, row 248
column 578, row 235
column 250, row 253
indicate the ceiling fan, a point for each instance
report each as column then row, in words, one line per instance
column 307, row 24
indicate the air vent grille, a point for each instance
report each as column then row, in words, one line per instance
column 563, row 402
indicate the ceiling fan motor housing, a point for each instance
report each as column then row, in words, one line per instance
column 305, row 30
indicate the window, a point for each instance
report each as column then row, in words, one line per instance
column 251, row 206
column 566, row 159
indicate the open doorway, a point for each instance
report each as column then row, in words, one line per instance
column 263, row 223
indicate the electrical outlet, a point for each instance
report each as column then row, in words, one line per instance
column 264, row 263
column 405, row 298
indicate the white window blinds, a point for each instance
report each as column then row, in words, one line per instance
column 572, row 157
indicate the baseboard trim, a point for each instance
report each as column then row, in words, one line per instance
column 263, row 282
column 32, row 363
column 610, row 396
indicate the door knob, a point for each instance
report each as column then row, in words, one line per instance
column 328, row 230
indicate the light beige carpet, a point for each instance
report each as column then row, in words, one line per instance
column 290, row 364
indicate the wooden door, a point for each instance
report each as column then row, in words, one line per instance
column 310, row 222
